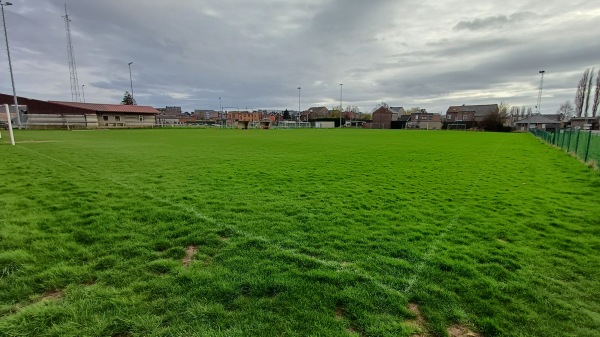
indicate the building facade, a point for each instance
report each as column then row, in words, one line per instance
column 37, row 114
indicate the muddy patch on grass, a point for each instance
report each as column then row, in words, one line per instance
column 352, row 331
column 340, row 315
column 122, row 334
column 418, row 322
column 190, row 251
column 52, row 296
column 461, row 331
column 339, row 312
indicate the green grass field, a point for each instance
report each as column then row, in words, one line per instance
column 296, row 233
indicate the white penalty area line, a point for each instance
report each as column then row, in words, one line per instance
column 339, row 266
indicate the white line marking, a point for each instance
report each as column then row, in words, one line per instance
column 350, row 267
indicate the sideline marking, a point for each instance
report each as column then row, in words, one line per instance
column 340, row 266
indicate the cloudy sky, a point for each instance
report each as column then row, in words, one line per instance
column 255, row 54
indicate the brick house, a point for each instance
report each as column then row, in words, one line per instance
column 314, row 113
column 384, row 116
column 425, row 120
column 586, row 123
column 469, row 113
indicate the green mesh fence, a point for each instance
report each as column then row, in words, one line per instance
column 584, row 144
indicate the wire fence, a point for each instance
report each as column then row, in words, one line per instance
column 582, row 143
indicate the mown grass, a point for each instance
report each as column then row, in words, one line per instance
column 295, row 233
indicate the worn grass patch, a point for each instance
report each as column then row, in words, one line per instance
column 296, row 233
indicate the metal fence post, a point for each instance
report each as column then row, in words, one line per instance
column 569, row 143
column 577, row 142
column 587, row 150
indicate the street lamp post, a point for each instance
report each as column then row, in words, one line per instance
column 83, row 92
column 131, row 82
column 220, row 111
column 539, row 105
column 299, row 88
column 12, row 78
column 341, row 86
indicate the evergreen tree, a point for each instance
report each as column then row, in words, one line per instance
column 127, row 99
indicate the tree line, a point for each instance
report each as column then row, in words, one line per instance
column 584, row 94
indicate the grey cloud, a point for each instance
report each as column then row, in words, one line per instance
column 256, row 54
column 494, row 22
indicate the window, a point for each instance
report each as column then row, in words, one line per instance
column 104, row 118
column 118, row 118
column 141, row 118
column 449, row 116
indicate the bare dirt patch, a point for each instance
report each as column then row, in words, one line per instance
column 418, row 322
column 190, row 251
column 461, row 331
column 340, row 315
column 46, row 297
column 52, row 296
column 122, row 334
column 339, row 312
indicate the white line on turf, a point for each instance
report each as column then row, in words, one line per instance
column 349, row 267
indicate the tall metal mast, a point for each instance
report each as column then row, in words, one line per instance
column 539, row 102
column 75, row 97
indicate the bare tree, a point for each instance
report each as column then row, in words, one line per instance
column 589, row 91
column 566, row 109
column 596, row 95
column 514, row 113
column 581, row 90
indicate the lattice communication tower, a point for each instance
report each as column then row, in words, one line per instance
column 75, row 97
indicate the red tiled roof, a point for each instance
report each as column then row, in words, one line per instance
column 119, row 108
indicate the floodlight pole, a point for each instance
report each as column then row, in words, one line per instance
column 299, row 114
column 10, row 129
column 12, row 78
column 341, row 86
column 131, row 83
column 539, row 105
column 220, row 111
column 83, row 92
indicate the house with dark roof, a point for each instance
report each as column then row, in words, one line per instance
column 383, row 117
column 313, row 113
column 586, row 123
column 425, row 120
column 37, row 114
column 539, row 122
column 398, row 109
column 470, row 113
